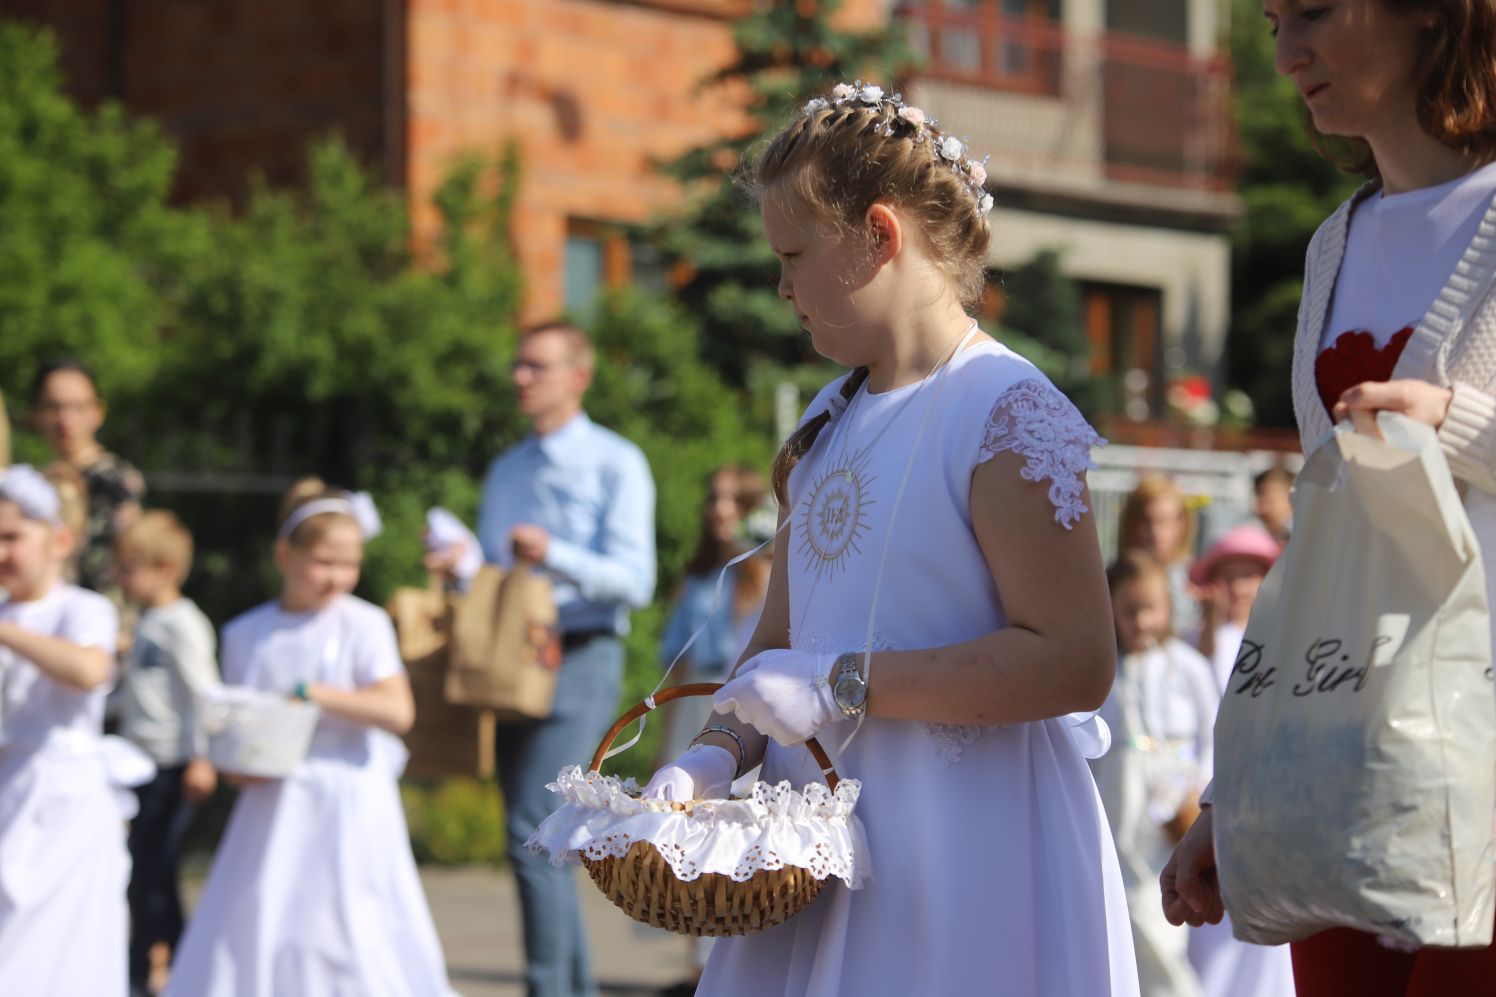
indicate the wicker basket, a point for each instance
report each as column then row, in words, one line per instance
column 644, row 886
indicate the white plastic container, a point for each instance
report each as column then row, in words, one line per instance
column 251, row 732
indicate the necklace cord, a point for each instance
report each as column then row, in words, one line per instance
column 872, row 616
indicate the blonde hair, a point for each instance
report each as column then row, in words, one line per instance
column 72, row 509
column 578, row 345
column 1135, row 511
column 72, row 494
column 314, row 527
column 838, row 160
column 159, row 538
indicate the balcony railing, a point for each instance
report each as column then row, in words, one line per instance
column 1130, row 109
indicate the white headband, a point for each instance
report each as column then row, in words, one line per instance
column 358, row 506
column 29, row 489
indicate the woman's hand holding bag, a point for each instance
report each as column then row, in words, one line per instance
column 1191, row 894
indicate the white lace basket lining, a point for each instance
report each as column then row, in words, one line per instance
column 812, row 829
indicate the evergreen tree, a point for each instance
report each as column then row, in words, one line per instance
column 1043, row 322
column 87, row 239
column 787, row 52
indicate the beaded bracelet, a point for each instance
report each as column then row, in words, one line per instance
column 719, row 729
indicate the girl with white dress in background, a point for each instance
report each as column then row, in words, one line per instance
column 942, row 480
column 1229, row 573
column 63, row 862
column 1161, row 712
column 314, row 891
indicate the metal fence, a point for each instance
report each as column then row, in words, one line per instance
column 1221, row 481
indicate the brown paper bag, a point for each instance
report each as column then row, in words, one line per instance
column 505, row 648
column 447, row 738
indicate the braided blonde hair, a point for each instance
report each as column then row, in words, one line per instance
column 842, row 155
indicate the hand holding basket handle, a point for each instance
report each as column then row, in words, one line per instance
column 683, row 692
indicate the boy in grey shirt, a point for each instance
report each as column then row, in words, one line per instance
column 171, row 659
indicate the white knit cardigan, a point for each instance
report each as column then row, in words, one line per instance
column 1453, row 346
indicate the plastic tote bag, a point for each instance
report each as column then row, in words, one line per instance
column 1355, row 779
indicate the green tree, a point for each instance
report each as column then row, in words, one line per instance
column 1287, row 189
column 787, row 52
column 1043, row 322
column 88, row 243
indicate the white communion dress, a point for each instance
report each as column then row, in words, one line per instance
column 63, row 863
column 993, row 870
column 313, row 891
column 1227, row 967
column 1161, row 712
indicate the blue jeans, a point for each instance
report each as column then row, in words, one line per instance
column 557, row 963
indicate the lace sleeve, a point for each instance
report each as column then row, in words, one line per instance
column 1034, row 420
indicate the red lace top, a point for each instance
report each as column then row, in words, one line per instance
column 1354, row 358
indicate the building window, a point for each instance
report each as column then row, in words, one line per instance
column 1123, row 326
column 600, row 256
column 1002, row 44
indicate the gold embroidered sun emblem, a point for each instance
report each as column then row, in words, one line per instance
column 833, row 519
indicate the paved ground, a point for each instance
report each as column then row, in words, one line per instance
column 477, row 916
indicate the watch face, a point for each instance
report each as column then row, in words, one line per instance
column 850, row 691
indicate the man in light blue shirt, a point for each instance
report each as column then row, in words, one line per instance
column 577, row 501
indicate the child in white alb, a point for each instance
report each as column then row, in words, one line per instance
column 63, row 863
column 1230, row 573
column 314, row 890
column 1161, row 712
column 938, row 588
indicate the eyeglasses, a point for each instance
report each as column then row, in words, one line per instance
column 60, row 408
column 533, row 367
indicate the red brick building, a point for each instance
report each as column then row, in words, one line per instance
column 1107, row 120
column 593, row 91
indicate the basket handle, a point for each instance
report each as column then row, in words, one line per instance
column 685, row 692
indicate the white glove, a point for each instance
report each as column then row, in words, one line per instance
column 704, row 772
column 784, row 694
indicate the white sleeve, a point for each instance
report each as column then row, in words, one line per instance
column 90, row 620
column 377, row 651
column 1034, row 420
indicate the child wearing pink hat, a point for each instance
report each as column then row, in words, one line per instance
column 1229, row 573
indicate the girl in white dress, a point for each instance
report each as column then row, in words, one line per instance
column 939, row 490
column 1231, row 572
column 1161, row 712
column 63, row 862
column 314, row 891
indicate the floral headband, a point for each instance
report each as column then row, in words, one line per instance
column 946, row 148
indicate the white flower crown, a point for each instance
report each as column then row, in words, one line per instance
column 952, row 150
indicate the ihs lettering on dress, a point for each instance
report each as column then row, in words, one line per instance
column 1035, row 421
column 834, row 519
